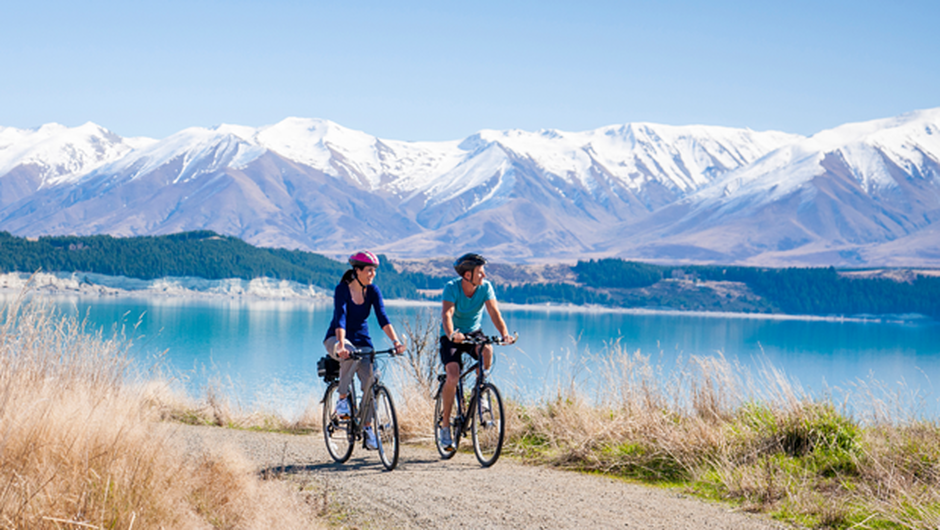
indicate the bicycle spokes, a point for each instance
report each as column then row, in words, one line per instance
column 454, row 422
column 386, row 428
column 338, row 433
column 488, row 425
column 485, row 410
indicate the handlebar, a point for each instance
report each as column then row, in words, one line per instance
column 366, row 352
column 493, row 339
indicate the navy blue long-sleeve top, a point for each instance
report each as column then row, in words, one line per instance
column 353, row 317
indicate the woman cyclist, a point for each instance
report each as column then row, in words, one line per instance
column 354, row 299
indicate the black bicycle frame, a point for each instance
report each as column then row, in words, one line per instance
column 463, row 420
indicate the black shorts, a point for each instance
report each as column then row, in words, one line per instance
column 451, row 352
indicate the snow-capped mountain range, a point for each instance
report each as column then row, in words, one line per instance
column 863, row 193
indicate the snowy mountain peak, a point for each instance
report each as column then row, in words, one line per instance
column 63, row 154
column 868, row 150
column 887, row 130
column 477, row 142
column 241, row 131
column 199, row 151
column 326, row 146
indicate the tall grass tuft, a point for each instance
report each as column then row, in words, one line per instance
column 80, row 446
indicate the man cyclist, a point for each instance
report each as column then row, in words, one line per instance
column 462, row 317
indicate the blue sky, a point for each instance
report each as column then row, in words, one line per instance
column 444, row 70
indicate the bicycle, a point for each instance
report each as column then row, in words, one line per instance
column 341, row 434
column 487, row 424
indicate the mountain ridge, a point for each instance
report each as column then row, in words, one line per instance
column 636, row 190
column 839, row 194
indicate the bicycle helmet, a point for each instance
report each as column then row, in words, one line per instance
column 363, row 258
column 468, row 262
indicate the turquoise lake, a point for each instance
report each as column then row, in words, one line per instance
column 264, row 353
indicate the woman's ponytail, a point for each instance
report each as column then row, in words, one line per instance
column 349, row 276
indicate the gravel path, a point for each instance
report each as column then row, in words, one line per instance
column 426, row 492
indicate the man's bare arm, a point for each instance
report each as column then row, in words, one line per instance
column 492, row 307
column 447, row 317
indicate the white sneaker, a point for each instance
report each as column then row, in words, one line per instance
column 342, row 409
column 446, row 442
column 371, row 442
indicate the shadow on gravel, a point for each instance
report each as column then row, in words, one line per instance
column 360, row 464
column 353, row 465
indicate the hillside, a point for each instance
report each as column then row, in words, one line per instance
column 201, row 254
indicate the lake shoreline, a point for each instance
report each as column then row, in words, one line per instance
column 264, row 289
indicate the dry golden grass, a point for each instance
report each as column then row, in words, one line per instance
column 709, row 426
column 80, row 446
column 417, row 379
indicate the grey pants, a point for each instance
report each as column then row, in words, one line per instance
column 346, row 365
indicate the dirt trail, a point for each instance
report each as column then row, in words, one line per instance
column 426, row 492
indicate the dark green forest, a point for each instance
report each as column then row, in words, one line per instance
column 618, row 273
column 202, row 254
column 607, row 282
column 821, row 291
column 803, row 291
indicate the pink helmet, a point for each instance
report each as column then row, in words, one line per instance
column 363, row 258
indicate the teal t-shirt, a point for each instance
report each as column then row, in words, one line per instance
column 468, row 312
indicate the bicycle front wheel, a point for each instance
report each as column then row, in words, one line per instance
column 337, row 432
column 438, row 416
column 489, row 425
column 386, row 427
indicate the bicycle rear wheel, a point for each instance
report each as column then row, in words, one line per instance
column 489, row 425
column 438, row 416
column 386, row 427
column 337, row 432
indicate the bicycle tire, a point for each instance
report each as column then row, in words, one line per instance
column 488, row 427
column 385, row 423
column 438, row 415
column 337, row 433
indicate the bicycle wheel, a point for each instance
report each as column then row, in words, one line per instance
column 489, row 425
column 438, row 415
column 336, row 432
column 385, row 422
